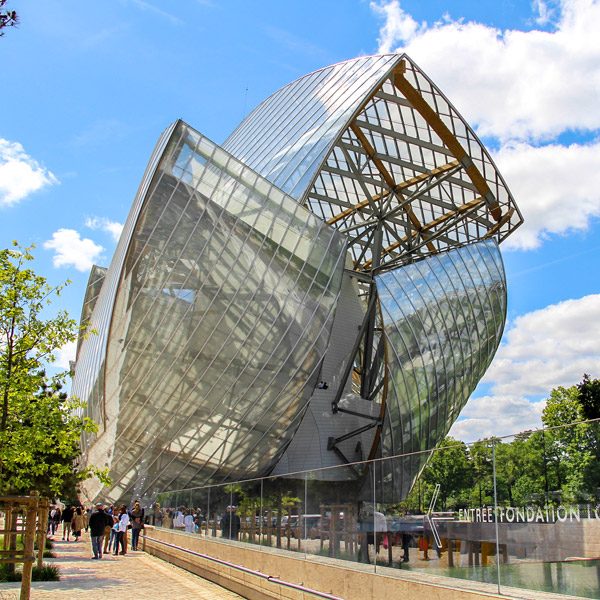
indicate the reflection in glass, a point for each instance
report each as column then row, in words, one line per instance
column 443, row 318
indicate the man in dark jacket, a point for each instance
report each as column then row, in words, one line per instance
column 66, row 518
column 98, row 521
column 230, row 524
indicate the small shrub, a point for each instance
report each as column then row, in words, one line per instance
column 6, row 575
column 45, row 573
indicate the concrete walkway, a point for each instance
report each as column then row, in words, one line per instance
column 135, row 575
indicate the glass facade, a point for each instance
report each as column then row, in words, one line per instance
column 443, row 320
column 219, row 323
column 324, row 288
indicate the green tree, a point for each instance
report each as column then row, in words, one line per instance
column 480, row 454
column 450, row 467
column 571, row 447
column 40, row 426
column 589, row 397
column 8, row 18
column 521, row 473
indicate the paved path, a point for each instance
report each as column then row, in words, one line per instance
column 135, row 575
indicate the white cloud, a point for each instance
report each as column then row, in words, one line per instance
column 399, row 26
column 488, row 416
column 513, row 84
column 65, row 354
column 543, row 349
column 557, row 188
column 545, row 13
column 549, row 347
column 20, row 175
column 70, row 250
column 104, row 224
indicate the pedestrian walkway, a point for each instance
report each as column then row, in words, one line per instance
column 135, row 575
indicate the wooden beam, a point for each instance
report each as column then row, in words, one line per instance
column 460, row 209
column 467, row 206
column 436, row 123
column 505, row 219
column 372, row 154
column 397, row 188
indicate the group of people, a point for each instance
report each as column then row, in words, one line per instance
column 108, row 526
column 191, row 520
column 74, row 519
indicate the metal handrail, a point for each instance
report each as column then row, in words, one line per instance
column 231, row 565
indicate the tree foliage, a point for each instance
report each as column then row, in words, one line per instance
column 589, row 397
column 8, row 18
column 557, row 464
column 40, row 427
column 449, row 466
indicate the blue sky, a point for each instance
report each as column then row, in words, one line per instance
column 88, row 87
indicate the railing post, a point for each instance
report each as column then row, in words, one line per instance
column 42, row 524
column 31, row 513
column 496, row 514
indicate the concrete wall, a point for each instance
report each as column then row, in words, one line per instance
column 357, row 582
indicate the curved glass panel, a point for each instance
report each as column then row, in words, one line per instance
column 219, row 325
column 287, row 137
column 215, row 319
column 92, row 291
column 443, row 319
column 88, row 382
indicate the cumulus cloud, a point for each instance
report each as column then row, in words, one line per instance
column 512, row 84
column 488, row 416
column 20, row 174
column 65, row 354
column 104, row 224
column 71, row 250
column 543, row 349
column 557, row 188
column 548, row 347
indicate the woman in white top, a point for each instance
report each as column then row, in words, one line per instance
column 123, row 524
column 188, row 522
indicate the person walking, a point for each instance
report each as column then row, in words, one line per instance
column 56, row 515
column 188, row 521
column 66, row 518
column 77, row 523
column 157, row 516
column 114, row 534
column 230, row 524
column 97, row 524
column 108, row 532
column 86, row 516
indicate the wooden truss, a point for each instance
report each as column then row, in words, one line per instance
column 410, row 167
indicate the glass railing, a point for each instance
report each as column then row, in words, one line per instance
column 515, row 512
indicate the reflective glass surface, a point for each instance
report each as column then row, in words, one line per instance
column 443, row 318
column 503, row 514
column 287, row 137
column 219, row 324
column 92, row 291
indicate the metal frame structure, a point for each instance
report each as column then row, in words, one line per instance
column 401, row 185
column 222, row 300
